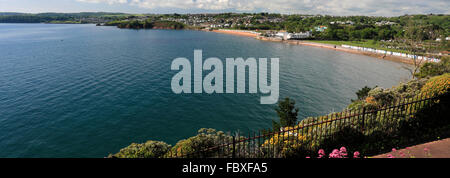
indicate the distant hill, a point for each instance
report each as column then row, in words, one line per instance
column 14, row 17
column 147, row 24
column 10, row 13
column 65, row 14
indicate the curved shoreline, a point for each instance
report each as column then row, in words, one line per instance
column 238, row 33
column 339, row 48
column 319, row 45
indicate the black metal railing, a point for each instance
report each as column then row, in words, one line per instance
column 371, row 129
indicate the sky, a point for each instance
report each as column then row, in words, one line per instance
column 328, row 7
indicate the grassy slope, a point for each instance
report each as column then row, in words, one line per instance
column 364, row 43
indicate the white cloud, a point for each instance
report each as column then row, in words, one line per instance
column 105, row 1
column 333, row 7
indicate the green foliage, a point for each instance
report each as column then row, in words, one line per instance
column 430, row 122
column 62, row 17
column 148, row 24
column 205, row 138
column 294, row 149
column 363, row 92
column 431, row 69
column 356, row 105
column 168, row 25
column 115, row 22
column 149, row 149
column 379, row 97
column 384, row 129
column 428, row 27
column 409, row 89
column 287, row 113
column 438, row 85
column 348, row 136
column 364, row 43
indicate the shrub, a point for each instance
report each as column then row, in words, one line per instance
column 356, row 105
column 363, row 92
column 287, row 112
column 287, row 144
column 433, row 69
column 437, row 86
column 379, row 97
column 382, row 97
column 205, row 138
column 345, row 136
column 430, row 120
column 149, row 149
column 410, row 89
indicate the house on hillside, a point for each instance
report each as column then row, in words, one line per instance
column 320, row 28
column 348, row 22
column 384, row 23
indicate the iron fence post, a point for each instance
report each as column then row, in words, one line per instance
column 363, row 115
column 234, row 150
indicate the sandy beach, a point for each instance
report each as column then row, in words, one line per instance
column 319, row 45
column 239, row 33
column 339, row 48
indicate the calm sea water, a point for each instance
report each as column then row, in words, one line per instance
column 86, row 91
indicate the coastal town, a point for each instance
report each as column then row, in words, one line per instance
column 261, row 25
column 416, row 37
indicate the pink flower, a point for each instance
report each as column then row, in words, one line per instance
column 394, row 150
column 335, row 154
column 390, row 156
column 343, row 152
column 307, row 157
column 356, row 154
column 321, row 153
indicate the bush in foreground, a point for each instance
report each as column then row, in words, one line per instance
column 206, row 138
column 438, row 85
column 433, row 69
column 149, row 149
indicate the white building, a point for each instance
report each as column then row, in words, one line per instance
column 343, row 23
column 384, row 23
column 301, row 35
column 440, row 39
column 283, row 35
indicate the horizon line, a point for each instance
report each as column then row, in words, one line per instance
column 212, row 13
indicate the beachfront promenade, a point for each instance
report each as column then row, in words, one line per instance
column 390, row 53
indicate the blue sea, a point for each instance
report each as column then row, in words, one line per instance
column 71, row 90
